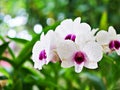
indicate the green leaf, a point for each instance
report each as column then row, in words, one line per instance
column 104, row 21
column 35, row 75
column 3, row 47
column 108, row 58
column 34, row 72
column 4, row 72
column 11, row 53
column 18, row 84
column 94, row 80
column 9, row 49
column 19, row 40
column 7, row 60
column 3, row 77
column 26, row 51
column 51, row 27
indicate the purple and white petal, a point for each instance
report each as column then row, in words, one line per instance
column 66, row 50
column 39, row 64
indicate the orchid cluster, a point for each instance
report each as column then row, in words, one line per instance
column 73, row 43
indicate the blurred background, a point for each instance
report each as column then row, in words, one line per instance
column 22, row 21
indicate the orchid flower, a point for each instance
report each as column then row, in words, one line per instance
column 69, row 30
column 44, row 50
column 71, row 54
column 73, row 43
column 110, row 41
column 78, row 47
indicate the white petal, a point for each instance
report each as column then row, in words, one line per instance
column 54, row 56
column 67, row 64
column 93, row 51
column 55, row 39
column 42, row 36
column 85, row 27
column 47, row 43
column 91, row 65
column 103, row 37
column 82, row 29
column 49, row 33
column 111, row 31
column 77, row 20
column 106, row 49
column 118, row 52
column 66, row 22
column 50, row 38
column 52, row 42
column 81, row 40
column 63, row 31
column 94, row 31
column 67, row 25
column 66, row 51
column 35, row 56
column 76, row 25
column 36, row 51
column 36, row 46
column 39, row 64
column 118, row 37
column 60, row 31
column 79, row 67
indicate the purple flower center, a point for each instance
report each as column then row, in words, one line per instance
column 70, row 37
column 114, row 45
column 79, row 57
column 42, row 55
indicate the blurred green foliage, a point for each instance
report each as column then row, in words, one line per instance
column 98, row 13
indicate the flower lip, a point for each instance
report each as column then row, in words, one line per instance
column 111, row 45
column 42, row 55
column 114, row 45
column 79, row 57
column 70, row 37
column 117, row 44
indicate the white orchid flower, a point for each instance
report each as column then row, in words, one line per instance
column 109, row 40
column 69, row 29
column 44, row 50
column 71, row 54
column 72, row 42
